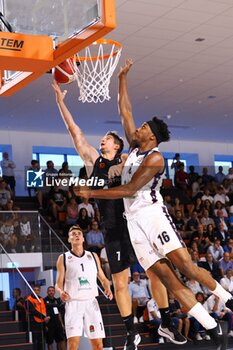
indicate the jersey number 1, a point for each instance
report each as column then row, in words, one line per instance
column 118, row 255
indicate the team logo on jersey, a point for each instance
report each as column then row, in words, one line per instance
column 70, row 257
column 92, row 328
column 89, row 257
column 83, row 282
column 101, row 165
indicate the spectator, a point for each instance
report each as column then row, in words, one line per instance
column 221, row 219
column 208, row 206
column 5, row 197
column 211, row 266
column 198, row 207
column 193, row 222
column 50, row 174
column 138, row 290
column 210, row 232
column 72, row 212
column 206, row 178
column 178, row 206
column 181, row 177
column 207, row 195
column 8, row 171
column 95, row 238
column 230, row 174
column 179, row 223
column 216, row 306
column 57, row 201
column 195, row 255
column 227, row 281
column 220, row 176
column 225, row 264
column 221, row 196
column 176, row 162
column 26, row 237
column 65, row 174
column 197, row 187
column 83, row 220
column 37, row 318
column 198, row 235
column 206, row 220
column 228, row 247
column 192, row 175
column 35, row 166
column 19, row 306
column 227, row 186
column 55, row 326
column 9, row 237
column 216, row 250
column 221, row 233
column 219, row 206
column 85, row 204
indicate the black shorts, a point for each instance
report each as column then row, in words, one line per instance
column 56, row 333
column 119, row 248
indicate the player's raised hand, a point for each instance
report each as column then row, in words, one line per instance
column 60, row 95
column 124, row 70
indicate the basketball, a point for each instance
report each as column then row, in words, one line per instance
column 64, row 73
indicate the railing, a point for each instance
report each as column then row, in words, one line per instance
column 28, row 232
column 11, row 289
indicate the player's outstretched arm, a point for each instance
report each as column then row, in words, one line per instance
column 84, row 149
column 152, row 164
column 61, row 278
column 103, row 279
column 124, row 104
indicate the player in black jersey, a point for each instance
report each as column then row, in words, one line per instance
column 118, row 246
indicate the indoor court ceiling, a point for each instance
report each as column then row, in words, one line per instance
column 176, row 75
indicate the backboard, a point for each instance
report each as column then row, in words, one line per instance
column 46, row 32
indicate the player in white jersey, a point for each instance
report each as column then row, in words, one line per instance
column 77, row 271
column 152, row 232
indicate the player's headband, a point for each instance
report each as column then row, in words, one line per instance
column 154, row 128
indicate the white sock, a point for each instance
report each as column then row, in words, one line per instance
column 202, row 316
column 221, row 293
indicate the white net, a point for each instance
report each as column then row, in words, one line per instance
column 94, row 72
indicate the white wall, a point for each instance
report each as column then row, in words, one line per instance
column 22, row 143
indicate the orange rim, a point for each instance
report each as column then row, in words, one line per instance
column 99, row 42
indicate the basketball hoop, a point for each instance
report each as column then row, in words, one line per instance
column 95, row 68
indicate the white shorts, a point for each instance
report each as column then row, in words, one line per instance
column 153, row 235
column 84, row 316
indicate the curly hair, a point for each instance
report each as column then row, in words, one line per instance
column 162, row 127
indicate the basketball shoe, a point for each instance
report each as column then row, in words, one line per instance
column 170, row 332
column 219, row 339
column 132, row 341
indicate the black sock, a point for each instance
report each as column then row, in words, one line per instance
column 165, row 316
column 128, row 321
